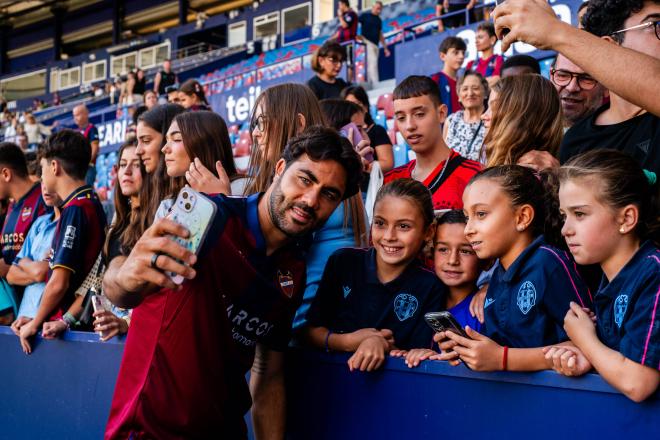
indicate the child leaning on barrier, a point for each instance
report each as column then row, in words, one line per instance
column 371, row 301
column 611, row 209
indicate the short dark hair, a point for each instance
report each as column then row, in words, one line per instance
column 346, row 2
column 416, row 86
column 584, row 4
column 322, row 143
column 338, row 112
column 33, row 167
column 452, row 43
column 361, row 95
column 452, row 217
column 604, row 17
column 487, row 27
column 11, row 156
column 522, row 61
column 71, row 149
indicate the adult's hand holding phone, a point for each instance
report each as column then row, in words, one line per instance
column 153, row 254
column 531, row 21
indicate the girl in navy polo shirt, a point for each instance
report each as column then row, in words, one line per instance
column 512, row 216
column 611, row 209
column 371, row 301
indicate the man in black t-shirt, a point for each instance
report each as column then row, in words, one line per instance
column 371, row 36
column 164, row 78
column 621, row 125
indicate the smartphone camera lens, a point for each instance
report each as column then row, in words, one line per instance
column 188, row 206
column 184, row 195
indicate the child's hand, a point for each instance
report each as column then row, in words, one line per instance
column 52, row 329
column 479, row 353
column 567, row 360
column 370, row 355
column 26, row 332
column 445, row 344
column 20, row 322
column 447, row 356
column 417, row 355
column 477, row 304
column 356, row 337
column 398, row 353
column 579, row 325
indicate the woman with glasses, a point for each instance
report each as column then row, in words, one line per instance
column 464, row 130
column 327, row 63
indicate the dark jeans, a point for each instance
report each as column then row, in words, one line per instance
column 458, row 20
column 90, row 178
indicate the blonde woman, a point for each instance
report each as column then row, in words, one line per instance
column 524, row 114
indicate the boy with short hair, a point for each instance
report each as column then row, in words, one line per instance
column 452, row 53
column 79, row 234
column 30, row 267
column 26, row 206
column 489, row 64
column 419, row 115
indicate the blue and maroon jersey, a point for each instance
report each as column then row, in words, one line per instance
column 78, row 239
column 349, row 33
column 185, row 359
column 20, row 216
column 491, row 66
column 448, row 92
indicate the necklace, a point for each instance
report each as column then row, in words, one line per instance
column 437, row 179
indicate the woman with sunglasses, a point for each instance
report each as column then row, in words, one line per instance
column 327, row 62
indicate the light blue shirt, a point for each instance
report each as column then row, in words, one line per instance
column 331, row 237
column 36, row 247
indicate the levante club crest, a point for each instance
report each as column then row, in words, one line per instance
column 405, row 306
column 286, row 282
column 526, row 297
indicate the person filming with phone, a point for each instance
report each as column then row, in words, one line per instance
column 190, row 345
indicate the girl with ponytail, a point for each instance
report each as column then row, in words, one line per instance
column 513, row 216
column 611, row 209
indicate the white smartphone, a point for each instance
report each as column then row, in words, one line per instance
column 195, row 212
column 97, row 304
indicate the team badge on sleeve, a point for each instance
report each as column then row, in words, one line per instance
column 620, row 307
column 286, row 282
column 405, row 306
column 526, row 297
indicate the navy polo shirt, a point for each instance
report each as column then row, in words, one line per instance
column 525, row 305
column 350, row 297
column 627, row 308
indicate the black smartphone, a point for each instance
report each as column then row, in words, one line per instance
column 444, row 321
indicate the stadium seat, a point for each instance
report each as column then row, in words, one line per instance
column 386, row 103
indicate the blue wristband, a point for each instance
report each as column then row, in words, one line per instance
column 327, row 339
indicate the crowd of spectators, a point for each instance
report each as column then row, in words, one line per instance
column 520, row 188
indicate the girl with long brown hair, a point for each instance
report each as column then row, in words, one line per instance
column 197, row 140
column 524, row 114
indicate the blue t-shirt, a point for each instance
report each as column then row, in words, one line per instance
column 525, row 305
column 330, row 238
column 36, row 247
column 627, row 308
column 461, row 312
column 351, row 297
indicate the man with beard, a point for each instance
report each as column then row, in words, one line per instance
column 580, row 94
column 621, row 125
column 190, row 346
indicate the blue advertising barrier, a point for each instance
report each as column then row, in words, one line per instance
column 421, row 57
column 64, row 388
